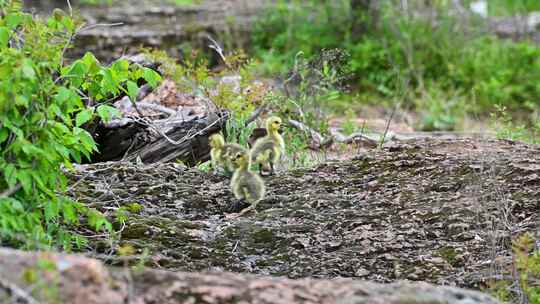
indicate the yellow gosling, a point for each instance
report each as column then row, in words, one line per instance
column 268, row 149
column 221, row 153
column 246, row 185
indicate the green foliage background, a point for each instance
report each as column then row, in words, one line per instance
column 452, row 67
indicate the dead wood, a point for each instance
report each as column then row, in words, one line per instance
column 164, row 126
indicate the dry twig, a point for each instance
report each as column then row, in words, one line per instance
column 316, row 136
column 17, row 293
column 10, row 191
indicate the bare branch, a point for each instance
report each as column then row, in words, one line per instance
column 157, row 107
column 294, row 73
column 10, row 191
column 78, row 30
column 339, row 137
column 70, row 8
column 316, row 136
column 98, row 25
column 18, row 293
column 216, row 47
column 388, row 124
column 188, row 136
column 255, row 114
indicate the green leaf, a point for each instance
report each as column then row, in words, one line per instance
column 10, row 175
column 28, row 69
column 151, row 76
column 133, row 90
column 25, row 179
column 120, row 65
column 4, row 133
column 68, row 23
column 76, row 73
column 91, row 63
column 76, row 155
column 70, row 216
column 106, row 112
column 54, row 111
column 63, row 94
column 4, row 36
column 13, row 20
column 77, row 69
column 84, row 116
column 108, row 83
column 86, row 140
column 21, row 100
column 39, row 181
column 32, row 150
column 62, row 150
column 16, row 205
column 97, row 221
column 51, row 210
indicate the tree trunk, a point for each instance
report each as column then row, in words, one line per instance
column 365, row 17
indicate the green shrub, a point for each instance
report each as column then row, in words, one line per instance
column 506, row 127
column 458, row 57
column 526, row 274
column 296, row 26
column 44, row 106
column 527, row 267
column 512, row 7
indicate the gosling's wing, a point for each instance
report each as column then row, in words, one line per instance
column 256, row 186
column 262, row 148
column 237, row 182
column 252, row 186
column 216, row 155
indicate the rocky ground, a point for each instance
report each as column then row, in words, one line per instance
column 427, row 210
column 56, row 278
column 432, row 210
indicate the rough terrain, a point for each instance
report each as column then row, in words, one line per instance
column 427, row 210
column 56, row 278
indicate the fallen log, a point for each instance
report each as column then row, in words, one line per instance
column 161, row 126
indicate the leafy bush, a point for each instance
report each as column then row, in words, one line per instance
column 296, row 26
column 528, row 267
column 511, row 7
column 44, row 106
column 194, row 75
column 526, row 274
column 456, row 56
column 506, row 128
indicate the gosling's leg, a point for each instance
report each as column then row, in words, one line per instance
column 265, row 170
column 227, row 173
column 246, row 210
column 271, row 169
column 238, row 205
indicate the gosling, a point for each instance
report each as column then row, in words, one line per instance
column 268, row 149
column 221, row 154
column 247, row 186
